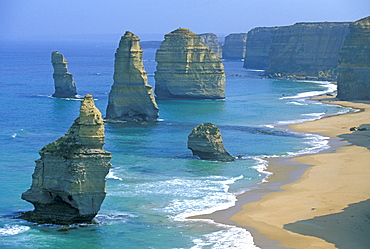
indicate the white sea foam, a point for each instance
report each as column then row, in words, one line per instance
column 229, row 237
column 297, row 103
column 330, row 87
column 111, row 175
column 9, row 230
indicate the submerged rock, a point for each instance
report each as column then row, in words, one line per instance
column 64, row 84
column 187, row 69
column 68, row 184
column 234, row 46
column 131, row 98
column 205, row 141
column 211, row 41
column 354, row 68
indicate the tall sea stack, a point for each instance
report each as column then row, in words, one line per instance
column 211, row 41
column 187, row 69
column 68, row 184
column 64, row 84
column 234, row 46
column 131, row 98
column 354, row 67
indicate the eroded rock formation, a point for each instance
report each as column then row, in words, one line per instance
column 234, row 46
column 354, row 67
column 68, row 184
column 258, row 48
column 307, row 50
column 205, row 141
column 64, row 84
column 211, row 41
column 187, row 69
column 131, row 98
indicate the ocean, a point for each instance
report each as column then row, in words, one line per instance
column 155, row 183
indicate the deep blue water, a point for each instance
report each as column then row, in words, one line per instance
column 154, row 183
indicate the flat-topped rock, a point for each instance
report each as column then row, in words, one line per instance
column 354, row 68
column 234, row 46
column 68, row 184
column 205, row 141
column 187, row 69
column 131, row 97
column 211, row 41
column 65, row 87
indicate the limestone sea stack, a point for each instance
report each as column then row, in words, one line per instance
column 211, row 41
column 306, row 50
column 187, row 69
column 68, row 184
column 131, row 98
column 205, row 141
column 234, row 46
column 354, row 68
column 64, row 84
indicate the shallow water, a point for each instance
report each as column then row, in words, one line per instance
column 154, row 183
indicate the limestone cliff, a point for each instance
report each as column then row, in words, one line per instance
column 211, row 41
column 131, row 98
column 307, row 50
column 187, row 69
column 354, row 67
column 234, row 46
column 258, row 48
column 205, row 141
column 68, row 184
column 64, row 84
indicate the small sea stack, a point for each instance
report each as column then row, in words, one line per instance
column 187, row 69
column 64, row 84
column 211, row 41
column 68, row 184
column 205, row 141
column 131, row 97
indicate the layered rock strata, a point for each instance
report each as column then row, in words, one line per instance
column 306, row 50
column 258, row 48
column 68, row 184
column 65, row 87
column 187, row 69
column 211, row 41
column 354, row 67
column 131, row 98
column 205, row 141
column 234, row 46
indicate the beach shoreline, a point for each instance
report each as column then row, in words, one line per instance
column 311, row 185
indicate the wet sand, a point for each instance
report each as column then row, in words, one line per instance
column 281, row 213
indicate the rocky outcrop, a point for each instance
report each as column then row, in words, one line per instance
column 68, row 184
column 307, row 50
column 234, row 46
column 187, row 69
column 205, row 141
column 354, row 67
column 211, row 41
column 131, row 98
column 258, row 48
column 64, row 84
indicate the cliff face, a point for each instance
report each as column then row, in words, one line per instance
column 258, row 48
column 211, row 41
column 306, row 50
column 131, row 98
column 64, row 84
column 205, row 141
column 187, row 69
column 68, row 184
column 234, row 46
column 354, row 67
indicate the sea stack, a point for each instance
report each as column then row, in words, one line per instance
column 131, row 98
column 187, row 69
column 234, row 46
column 211, row 41
column 205, row 141
column 68, row 184
column 64, row 84
column 354, row 67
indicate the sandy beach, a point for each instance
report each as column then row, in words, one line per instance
column 306, row 201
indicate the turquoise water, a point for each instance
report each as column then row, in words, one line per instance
column 154, row 183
